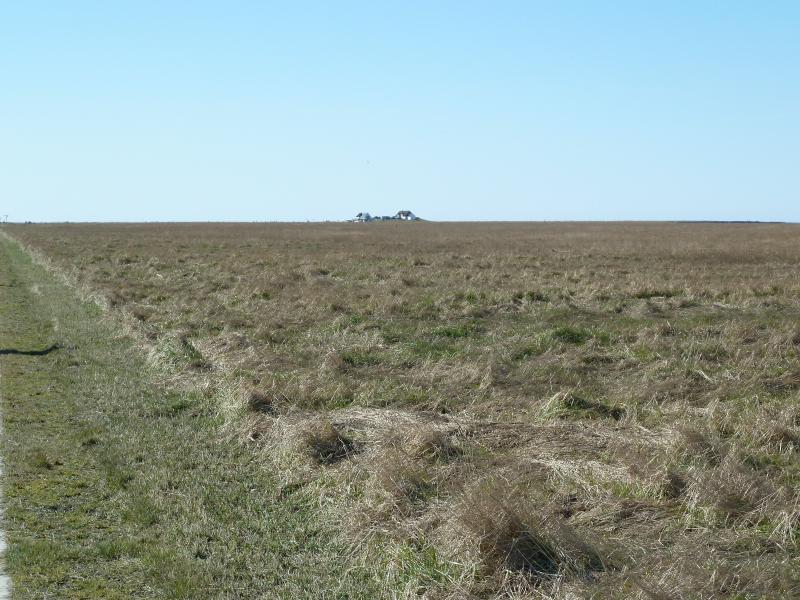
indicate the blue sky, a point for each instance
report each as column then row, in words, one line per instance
column 457, row 110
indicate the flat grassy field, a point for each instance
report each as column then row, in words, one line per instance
column 116, row 481
column 489, row 410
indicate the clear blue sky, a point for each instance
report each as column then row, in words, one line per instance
column 457, row 110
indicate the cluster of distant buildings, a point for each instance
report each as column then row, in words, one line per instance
column 403, row 215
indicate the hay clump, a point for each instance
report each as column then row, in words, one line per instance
column 511, row 532
column 425, row 442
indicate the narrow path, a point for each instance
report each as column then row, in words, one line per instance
column 5, row 581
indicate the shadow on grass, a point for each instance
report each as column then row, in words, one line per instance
column 48, row 350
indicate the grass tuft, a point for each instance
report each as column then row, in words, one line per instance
column 571, row 335
column 567, row 405
column 326, row 444
column 426, row 443
column 511, row 534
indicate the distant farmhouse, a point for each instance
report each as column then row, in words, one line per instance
column 403, row 215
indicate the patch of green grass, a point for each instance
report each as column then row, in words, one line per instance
column 571, row 335
column 177, row 405
column 142, row 512
column 422, row 308
column 456, row 331
column 418, row 567
column 180, row 351
column 573, row 406
column 430, row 349
column 537, row 347
column 116, row 549
column 360, row 358
column 776, row 461
column 629, row 490
column 568, row 334
column 355, row 320
column 393, row 334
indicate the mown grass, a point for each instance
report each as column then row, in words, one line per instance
column 598, row 410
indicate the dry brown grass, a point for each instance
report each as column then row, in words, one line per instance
column 516, row 410
column 511, row 532
column 325, row 443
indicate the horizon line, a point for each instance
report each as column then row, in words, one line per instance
column 419, row 221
